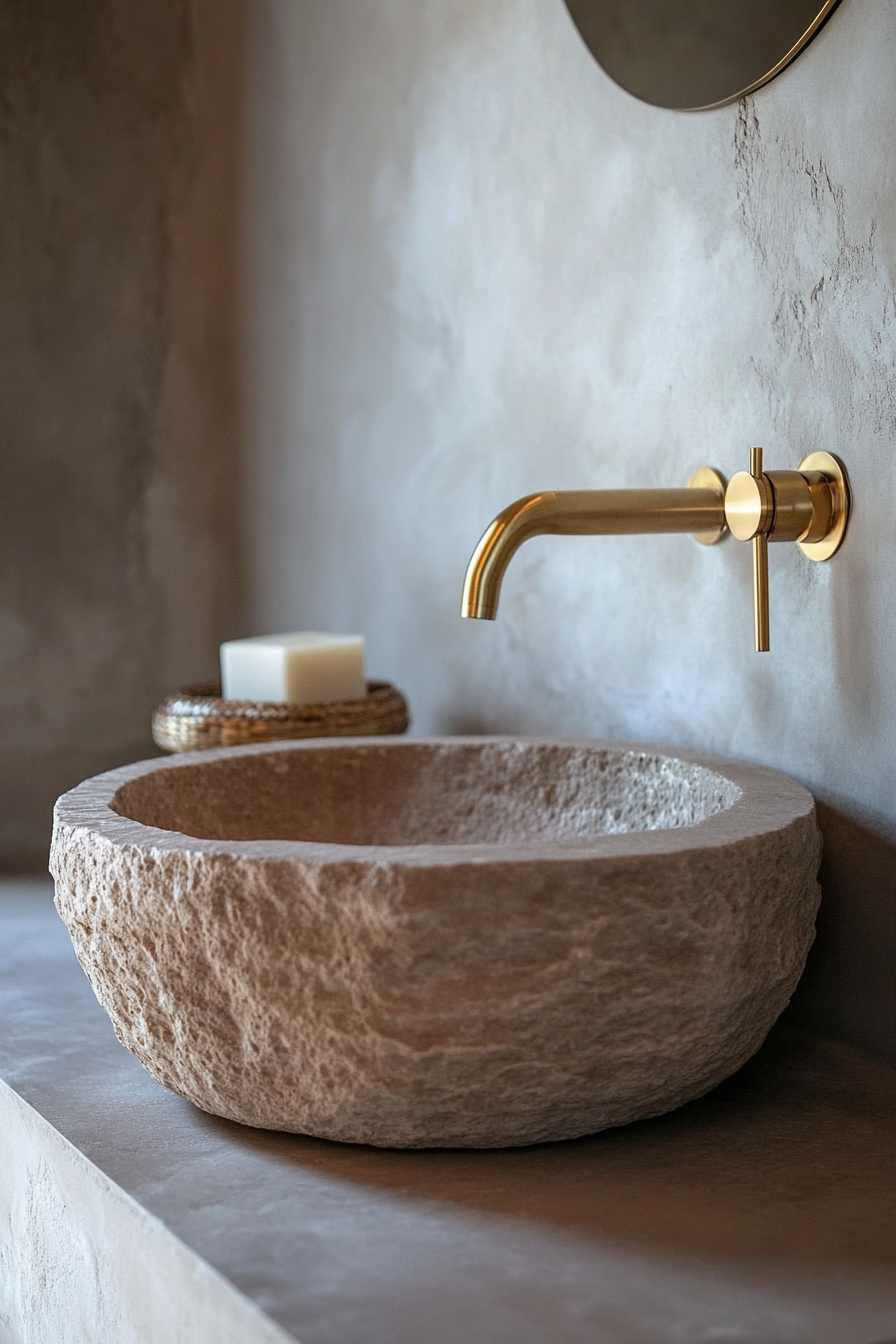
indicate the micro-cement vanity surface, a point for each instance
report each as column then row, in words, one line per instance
column 761, row 1214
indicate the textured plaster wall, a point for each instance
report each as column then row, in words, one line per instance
column 117, row 404
column 475, row 268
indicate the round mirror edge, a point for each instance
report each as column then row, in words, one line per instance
column 811, row 32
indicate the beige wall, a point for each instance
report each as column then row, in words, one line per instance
column 475, row 268
column 117, row 413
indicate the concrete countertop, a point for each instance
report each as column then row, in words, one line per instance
column 762, row 1214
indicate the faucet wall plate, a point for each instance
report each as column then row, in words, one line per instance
column 841, row 498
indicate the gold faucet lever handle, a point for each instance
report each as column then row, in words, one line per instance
column 760, row 568
column 760, row 592
column 750, row 512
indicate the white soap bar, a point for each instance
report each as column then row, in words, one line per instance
column 303, row 669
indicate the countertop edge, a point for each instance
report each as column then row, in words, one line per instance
column 74, row 1244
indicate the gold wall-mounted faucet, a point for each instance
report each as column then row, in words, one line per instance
column 810, row 506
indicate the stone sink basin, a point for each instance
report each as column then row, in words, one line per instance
column 443, row 942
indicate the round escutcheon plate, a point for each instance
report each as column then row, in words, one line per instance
column 835, row 471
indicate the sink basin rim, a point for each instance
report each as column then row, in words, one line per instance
column 767, row 800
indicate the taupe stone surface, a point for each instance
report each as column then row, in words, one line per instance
column 449, row 942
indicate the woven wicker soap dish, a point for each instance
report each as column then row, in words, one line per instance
column 197, row 717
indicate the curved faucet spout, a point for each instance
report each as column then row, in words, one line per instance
column 584, row 513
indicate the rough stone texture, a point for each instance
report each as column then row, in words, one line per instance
column 450, row 942
column 477, row 269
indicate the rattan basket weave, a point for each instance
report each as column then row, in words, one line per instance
column 197, row 717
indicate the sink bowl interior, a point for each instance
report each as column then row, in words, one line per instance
column 427, row 793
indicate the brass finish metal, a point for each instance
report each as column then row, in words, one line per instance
column 760, row 593
column 581, row 513
column 707, row 478
column 760, row 551
column 827, row 476
column 810, row 506
column 795, row 509
column 749, row 505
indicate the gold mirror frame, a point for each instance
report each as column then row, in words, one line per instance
column 594, row 20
